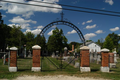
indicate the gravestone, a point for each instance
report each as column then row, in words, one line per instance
column 115, row 56
column 29, row 54
column 4, row 57
column 98, row 59
column 77, row 65
column 53, row 55
column 95, row 55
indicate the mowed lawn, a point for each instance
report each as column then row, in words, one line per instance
column 24, row 68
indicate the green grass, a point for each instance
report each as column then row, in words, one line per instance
column 24, row 68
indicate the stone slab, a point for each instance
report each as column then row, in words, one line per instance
column 12, row 69
column 77, row 65
column 104, row 69
column 36, row 69
column 85, row 69
column 112, row 65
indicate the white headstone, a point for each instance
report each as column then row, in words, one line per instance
column 115, row 56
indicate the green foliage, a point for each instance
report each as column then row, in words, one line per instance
column 115, row 38
column 57, row 41
column 4, row 35
column 30, row 40
column 108, row 43
column 100, row 42
column 88, row 40
column 76, row 45
column 40, row 40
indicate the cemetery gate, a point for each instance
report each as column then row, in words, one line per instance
column 59, row 60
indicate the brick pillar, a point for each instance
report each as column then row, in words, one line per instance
column 111, row 60
column 13, row 59
column 105, row 60
column 65, row 51
column 85, row 59
column 72, row 47
column 36, row 58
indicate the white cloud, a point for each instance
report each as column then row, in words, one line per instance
column 89, row 21
column 83, row 23
column 3, row 16
column 99, row 31
column 114, row 29
column 71, row 32
column 89, row 35
column 109, row 1
column 118, row 34
column 39, row 27
column 11, row 25
column 23, row 26
column 26, row 10
column 27, row 15
column 89, row 27
column 54, row 26
column 20, row 20
column 51, row 32
column 36, row 31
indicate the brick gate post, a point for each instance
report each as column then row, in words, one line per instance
column 85, row 59
column 65, row 51
column 13, row 59
column 105, row 60
column 36, row 58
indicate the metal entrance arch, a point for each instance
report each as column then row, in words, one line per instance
column 61, row 22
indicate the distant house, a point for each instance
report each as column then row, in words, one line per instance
column 94, row 48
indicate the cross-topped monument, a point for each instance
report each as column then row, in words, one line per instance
column 62, row 16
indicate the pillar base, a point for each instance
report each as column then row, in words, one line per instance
column 36, row 69
column 12, row 69
column 112, row 65
column 104, row 69
column 85, row 69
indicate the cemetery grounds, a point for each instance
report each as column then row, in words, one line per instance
column 24, row 68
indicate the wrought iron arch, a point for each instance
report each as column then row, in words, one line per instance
column 61, row 22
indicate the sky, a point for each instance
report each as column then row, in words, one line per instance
column 34, row 19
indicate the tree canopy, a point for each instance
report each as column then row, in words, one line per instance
column 108, row 43
column 57, row 41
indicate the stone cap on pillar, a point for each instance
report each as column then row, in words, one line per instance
column 84, row 48
column 105, row 50
column 36, row 47
column 65, row 48
column 13, row 48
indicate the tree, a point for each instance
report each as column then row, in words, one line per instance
column 40, row 40
column 57, row 41
column 100, row 42
column 4, row 35
column 76, row 45
column 15, row 37
column 29, row 40
column 115, row 38
column 108, row 43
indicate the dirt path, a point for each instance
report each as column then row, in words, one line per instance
column 57, row 77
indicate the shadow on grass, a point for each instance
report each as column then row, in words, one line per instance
column 95, row 70
column 48, row 70
column 24, row 70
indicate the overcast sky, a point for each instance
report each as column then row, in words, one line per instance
column 34, row 19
